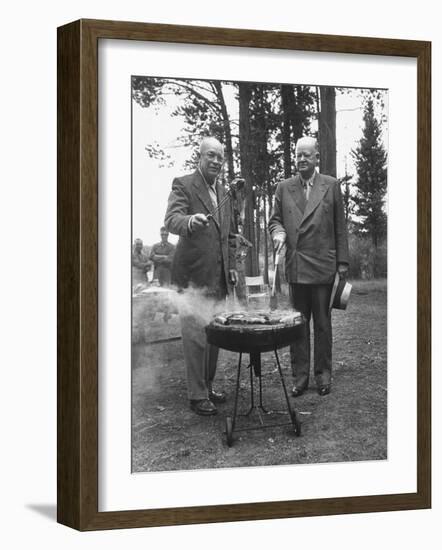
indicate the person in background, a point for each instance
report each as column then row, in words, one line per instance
column 162, row 255
column 308, row 217
column 140, row 264
column 204, row 262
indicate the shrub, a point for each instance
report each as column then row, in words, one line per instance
column 366, row 261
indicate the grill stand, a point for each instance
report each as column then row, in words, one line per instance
column 255, row 370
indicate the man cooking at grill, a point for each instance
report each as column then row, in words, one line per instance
column 204, row 260
column 308, row 217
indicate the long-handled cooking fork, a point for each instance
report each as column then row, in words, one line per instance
column 273, row 297
column 236, row 185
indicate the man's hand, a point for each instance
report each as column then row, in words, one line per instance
column 198, row 222
column 278, row 241
column 342, row 271
column 233, row 276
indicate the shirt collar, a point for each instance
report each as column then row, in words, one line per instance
column 209, row 185
column 309, row 181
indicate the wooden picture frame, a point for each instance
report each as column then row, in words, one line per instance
column 77, row 225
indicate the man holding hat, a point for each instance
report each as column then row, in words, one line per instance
column 308, row 217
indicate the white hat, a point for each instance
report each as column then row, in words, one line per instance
column 340, row 293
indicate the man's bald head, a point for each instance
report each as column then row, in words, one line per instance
column 309, row 142
column 307, row 156
column 210, row 142
column 211, row 158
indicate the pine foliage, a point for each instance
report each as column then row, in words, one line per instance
column 371, row 185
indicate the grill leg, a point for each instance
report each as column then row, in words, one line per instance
column 261, row 406
column 281, row 376
column 255, row 364
column 252, row 389
column 293, row 418
column 235, row 406
column 255, row 369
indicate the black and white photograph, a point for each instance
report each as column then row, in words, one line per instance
column 221, row 279
column 259, row 274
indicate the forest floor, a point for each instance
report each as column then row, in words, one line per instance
column 349, row 424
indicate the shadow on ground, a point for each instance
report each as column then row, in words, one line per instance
column 350, row 424
column 49, row 511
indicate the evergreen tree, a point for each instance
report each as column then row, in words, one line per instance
column 371, row 185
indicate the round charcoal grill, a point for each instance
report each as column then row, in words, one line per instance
column 253, row 339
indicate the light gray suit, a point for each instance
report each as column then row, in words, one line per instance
column 202, row 260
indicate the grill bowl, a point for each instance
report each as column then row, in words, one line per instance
column 252, row 338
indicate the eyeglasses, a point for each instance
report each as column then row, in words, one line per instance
column 307, row 156
column 214, row 156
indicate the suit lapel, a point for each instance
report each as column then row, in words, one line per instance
column 299, row 198
column 202, row 193
column 317, row 192
column 220, row 192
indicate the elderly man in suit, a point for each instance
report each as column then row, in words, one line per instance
column 204, row 263
column 308, row 217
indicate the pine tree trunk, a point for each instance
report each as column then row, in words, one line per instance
column 285, row 100
column 246, row 170
column 318, row 110
column 227, row 130
column 327, row 130
column 297, row 115
column 258, row 230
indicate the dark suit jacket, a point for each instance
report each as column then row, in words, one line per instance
column 199, row 255
column 316, row 238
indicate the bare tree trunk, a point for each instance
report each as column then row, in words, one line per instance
column 318, row 110
column 227, row 130
column 297, row 117
column 327, row 130
column 246, row 170
column 287, row 154
column 258, row 228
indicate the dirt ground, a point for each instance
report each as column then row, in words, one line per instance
column 350, row 424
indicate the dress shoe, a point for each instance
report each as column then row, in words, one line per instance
column 217, row 396
column 204, row 407
column 324, row 390
column 296, row 392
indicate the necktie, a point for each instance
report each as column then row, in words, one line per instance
column 307, row 185
column 302, row 200
column 212, row 194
